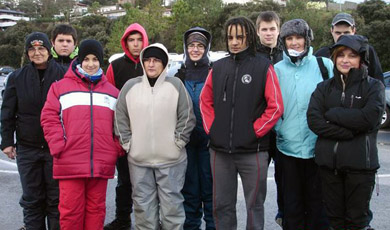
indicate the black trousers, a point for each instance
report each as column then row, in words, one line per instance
column 40, row 191
column 276, row 155
column 123, row 200
column 347, row 197
column 303, row 207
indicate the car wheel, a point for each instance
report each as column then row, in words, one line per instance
column 386, row 118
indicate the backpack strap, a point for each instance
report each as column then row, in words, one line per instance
column 323, row 69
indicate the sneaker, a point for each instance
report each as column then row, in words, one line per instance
column 118, row 224
column 22, row 228
column 279, row 219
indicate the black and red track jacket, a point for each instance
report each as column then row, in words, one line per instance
column 240, row 103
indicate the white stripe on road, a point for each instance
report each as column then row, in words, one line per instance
column 9, row 171
column 380, row 176
column 15, row 171
column 8, row 163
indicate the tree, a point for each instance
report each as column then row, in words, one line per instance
column 150, row 17
column 376, row 16
column 48, row 8
column 29, row 7
column 119, row 27
column 377, row 38
column 94, row 7
column 12, row 43
column 373, row 10
column 155, row 23
column 190, row 13
column 319, row 21
column 140, row 4
column 65, row 7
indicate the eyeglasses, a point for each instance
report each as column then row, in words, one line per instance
column 33, row 50
column 193, row 46
column 152, row 59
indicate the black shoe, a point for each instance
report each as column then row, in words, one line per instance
column 22, row 228
column 118, row 224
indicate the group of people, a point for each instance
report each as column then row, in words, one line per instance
column 179, row 143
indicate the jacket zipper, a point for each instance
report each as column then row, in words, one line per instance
column 350, row 106
column 335, row 157
column 153, row 143
column 343, row 93
column 91, row 98
column 232, row 113
column 368, row 162
column 63, row 126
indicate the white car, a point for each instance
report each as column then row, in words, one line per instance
column 176, row 60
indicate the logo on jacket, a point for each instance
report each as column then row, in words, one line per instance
column 246, row 79
column 106, row 100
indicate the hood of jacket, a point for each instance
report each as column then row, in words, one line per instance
column 205, row 59
column 134, row 27
column 354, row 75
column 73, row 73
column 163, row 74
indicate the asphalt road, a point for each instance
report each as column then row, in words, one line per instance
column 11, row 213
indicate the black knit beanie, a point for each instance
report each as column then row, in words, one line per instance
column 91, row 47
column 157, row 53
column 37, row 39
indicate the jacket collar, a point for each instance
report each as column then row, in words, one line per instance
column 269, row 50
column 302, row 61
column 241, row 55
column 354, row 75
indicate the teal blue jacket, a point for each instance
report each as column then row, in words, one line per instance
column 297, row 82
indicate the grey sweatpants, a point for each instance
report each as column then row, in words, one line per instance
column 157, row 196
column 252, row 168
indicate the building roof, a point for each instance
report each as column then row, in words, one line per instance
column 11, row 12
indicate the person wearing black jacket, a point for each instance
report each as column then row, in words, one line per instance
column 133, row 41
column 345, row 112
column 24, row 97
column 268, row 29
column 344, row 24
column 240, row 103
column 64, row 44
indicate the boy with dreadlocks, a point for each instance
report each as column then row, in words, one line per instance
column 240, row 103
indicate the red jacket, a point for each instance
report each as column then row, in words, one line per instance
column 127, row 67
column 80, row 133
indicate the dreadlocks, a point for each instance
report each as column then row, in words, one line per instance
column 248, row 27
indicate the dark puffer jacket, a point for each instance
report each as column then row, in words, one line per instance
column 23, row 100
column 194, row 74
column 347, row 121
column 273, row 54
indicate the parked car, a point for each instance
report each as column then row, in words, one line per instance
column 386, row 115
column 3, row 82
column 5, row 70
column 176, row 60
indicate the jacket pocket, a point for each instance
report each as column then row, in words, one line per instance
column 354, row 154
column 324, row 152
